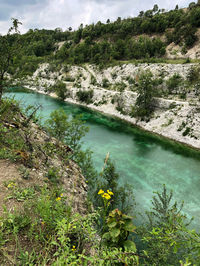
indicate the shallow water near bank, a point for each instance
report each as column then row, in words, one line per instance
column 144, row 161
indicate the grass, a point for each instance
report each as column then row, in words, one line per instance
column 151, row 60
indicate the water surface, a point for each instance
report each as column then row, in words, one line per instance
column 142, row 160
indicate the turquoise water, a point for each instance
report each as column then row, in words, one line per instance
column 141, row 159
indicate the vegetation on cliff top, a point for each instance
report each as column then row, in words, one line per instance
column 143, row 37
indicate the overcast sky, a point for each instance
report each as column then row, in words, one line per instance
column 51, row 14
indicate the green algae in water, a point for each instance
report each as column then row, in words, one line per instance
column 142, row 159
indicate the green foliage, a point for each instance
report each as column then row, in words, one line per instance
column 14, row 222
column 93, row 80
column 53, row 175
column 102, row 43
column 84, row 160
column 120, row 86
column 144, row 102
column 187, row 131
column 163, row 210
column 9, row 47
column 50, row 208
column 109, row 180
column 57, row 125
column 105, row 83
column 61, row 90
column 12, row 144
column 119, row 226
column 22, row 194
column 193, row 75
column 68, row 131
column 85, row 96
column 166, row 232
column 174, row 82
column 25, row 66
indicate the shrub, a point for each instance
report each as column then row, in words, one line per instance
column 120, row 86
column 85, row 96
column 61, row 90
column 193, row 74
column 174, row 82
column 93, row 80
column 187, row 131
column 105, row 83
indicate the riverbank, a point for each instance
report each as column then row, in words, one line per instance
column 163, row 124
column 114, row 93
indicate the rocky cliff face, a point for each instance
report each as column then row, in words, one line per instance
column 115, row 91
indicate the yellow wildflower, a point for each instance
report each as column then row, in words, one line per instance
column 11, row 185
column 106, row 196
column 58, row 198
column 100, row 192
column 42, row 222
column 61, row 195
column 73, row 248
column 110, row 192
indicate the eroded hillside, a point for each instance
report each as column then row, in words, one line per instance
column 114, row 91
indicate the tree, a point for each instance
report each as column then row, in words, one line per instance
column 144, row 101
column 9, row 47
column 167, row 238
column 155, row 8
column 69, row 132
column 61, row 90
column 176, row 7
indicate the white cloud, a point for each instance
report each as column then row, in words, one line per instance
column 51, row 14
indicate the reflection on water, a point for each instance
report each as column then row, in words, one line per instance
column 142, row 160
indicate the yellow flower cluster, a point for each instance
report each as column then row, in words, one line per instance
column 107, row 195
column 73, row 248
column 11, row 185
column 59, row 198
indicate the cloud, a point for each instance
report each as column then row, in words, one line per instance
column 51, row 14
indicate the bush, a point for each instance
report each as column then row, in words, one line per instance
column 105, row 83
column 61, row 90
column 85, row 96
column 174, row 82
column 187, row 131
column 193, row 74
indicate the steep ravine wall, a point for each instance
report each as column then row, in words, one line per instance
column 173, row 118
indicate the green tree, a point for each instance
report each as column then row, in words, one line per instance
column 166, row 235
column 65, row 130
column 155, row 8
column 144, row 102
column 61, row 90
column 9, row 47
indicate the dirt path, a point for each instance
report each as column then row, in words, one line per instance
column 8, row 172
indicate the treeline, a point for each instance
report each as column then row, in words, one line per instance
column 105, row 51
column 123, row 39
column 179, row 25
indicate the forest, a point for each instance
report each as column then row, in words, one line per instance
column 143, row 37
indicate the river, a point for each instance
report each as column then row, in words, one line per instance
column 142, row 160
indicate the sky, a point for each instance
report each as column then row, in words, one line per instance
column 51, row 14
